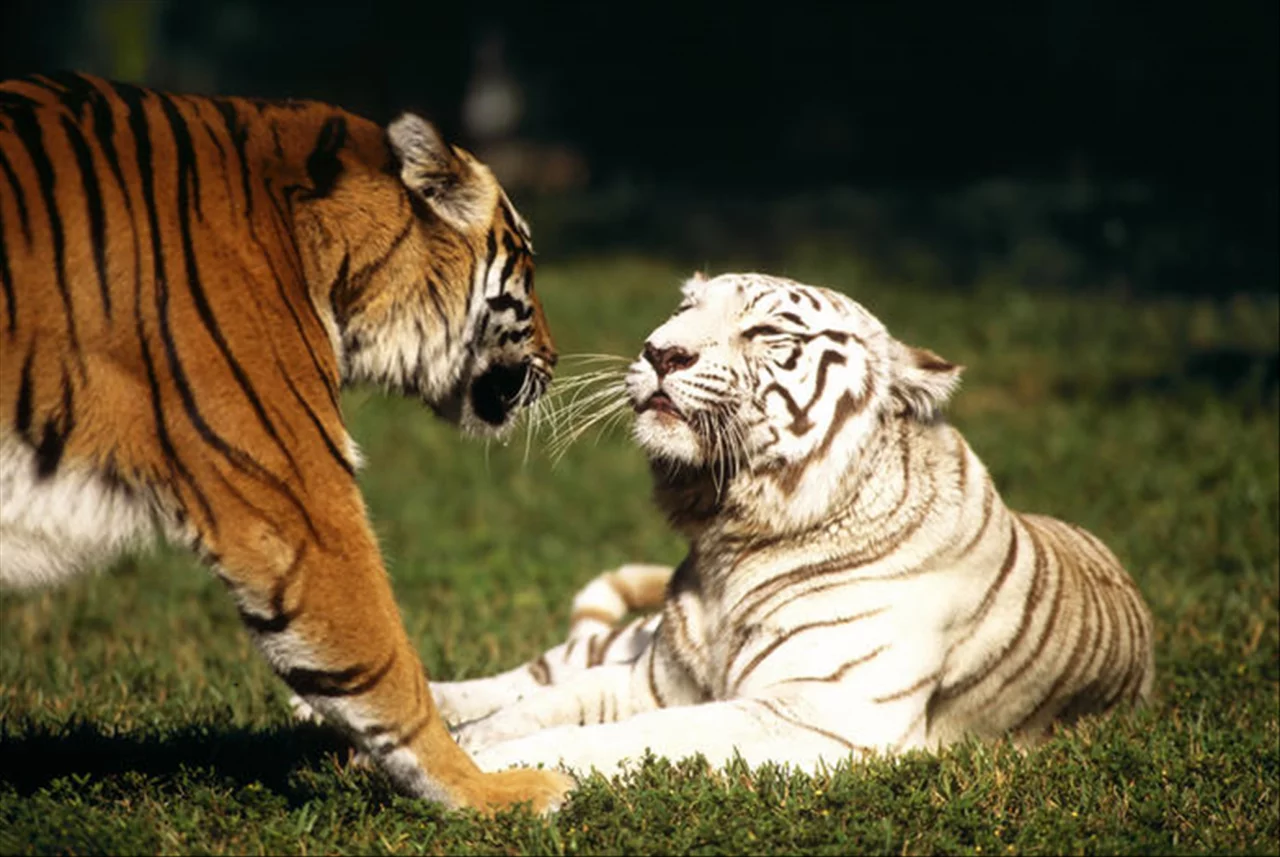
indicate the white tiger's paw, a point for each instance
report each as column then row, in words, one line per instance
column 476, row 735
column 560, row 748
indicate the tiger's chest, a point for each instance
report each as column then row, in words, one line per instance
column 55, row 526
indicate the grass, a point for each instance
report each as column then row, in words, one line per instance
column 136, row 717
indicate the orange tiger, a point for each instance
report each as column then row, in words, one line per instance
column 186, row 283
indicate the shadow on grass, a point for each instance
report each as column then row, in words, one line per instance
column 268, row 757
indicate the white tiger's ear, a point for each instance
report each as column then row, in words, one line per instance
column 922, row 382
column 694, row 285
column 434, row 173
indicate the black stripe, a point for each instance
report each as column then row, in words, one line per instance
column 22, row 414
column 523, row 311
column 508, row 264
column 238, row 135
column 167, row 450
column 57, row 428
column 104, row 133
column 133, row 97
column 281, row 616
column 319, row 426
column 433, row 291
column 323, row 165
column 27, row 128
column 187, row 170
column 6, row 281
column 363, row 274
column 490, row 253
column 342, row 683
column 93, row 204
column 18, row 195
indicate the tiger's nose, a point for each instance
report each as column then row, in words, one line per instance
column 667, row 360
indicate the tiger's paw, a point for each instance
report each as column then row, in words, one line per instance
column 302, row 712
column 544, row 790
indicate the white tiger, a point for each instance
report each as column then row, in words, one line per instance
column 854, row 583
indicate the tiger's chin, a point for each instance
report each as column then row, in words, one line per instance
column 491, row 402
column 665, row 435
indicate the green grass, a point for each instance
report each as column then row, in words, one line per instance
column 136, row 717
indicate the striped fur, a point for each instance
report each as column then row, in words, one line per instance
column 186, row 283
column 853, row 584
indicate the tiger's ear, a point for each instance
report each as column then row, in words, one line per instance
column 922, row 382
column 433, row 172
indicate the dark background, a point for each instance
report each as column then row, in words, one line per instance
column 1138, row 139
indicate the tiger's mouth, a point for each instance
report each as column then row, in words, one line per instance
column 660, row 403
column 505, row 388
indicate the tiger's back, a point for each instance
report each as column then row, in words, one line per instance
column 1081, row 643
column 136, row 227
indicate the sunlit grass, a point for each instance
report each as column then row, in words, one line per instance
column 136, row 717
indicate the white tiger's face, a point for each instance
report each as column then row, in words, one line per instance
column 754, row 367
column 760, row 372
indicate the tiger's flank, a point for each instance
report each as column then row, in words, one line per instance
column 854, row 584
column 186, row 284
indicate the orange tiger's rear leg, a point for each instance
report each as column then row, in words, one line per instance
column 322, row 612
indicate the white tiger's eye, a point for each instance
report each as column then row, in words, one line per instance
column 762, row 330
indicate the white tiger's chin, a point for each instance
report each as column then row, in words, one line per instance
column 666, row 436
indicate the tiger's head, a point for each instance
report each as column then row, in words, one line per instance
column 769, row 391
column 429, row 272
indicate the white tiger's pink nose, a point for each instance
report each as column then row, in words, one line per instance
column 669, row 359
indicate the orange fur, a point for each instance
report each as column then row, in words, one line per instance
column 188, row 283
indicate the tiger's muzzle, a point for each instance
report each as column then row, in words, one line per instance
column 505, row 388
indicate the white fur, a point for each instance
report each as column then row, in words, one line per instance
column 920, row 630
column 68, row 523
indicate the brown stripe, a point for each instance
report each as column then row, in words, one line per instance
column 1070, row 669
column 643, row 595
column 599, row 648
column 1032, row 599
column 840, row 565
column 1114, row 630
column 988, row 506
column 931, row 678
column 540, row 670
column 963, row 455
column 1051, row 622
column 843, row 669
column 768, row 704
column 1136, row 669
column 808, row 626
column 653, row 684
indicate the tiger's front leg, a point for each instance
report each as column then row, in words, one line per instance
column 463, row 701
column 318, row 603
column 599, row 695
